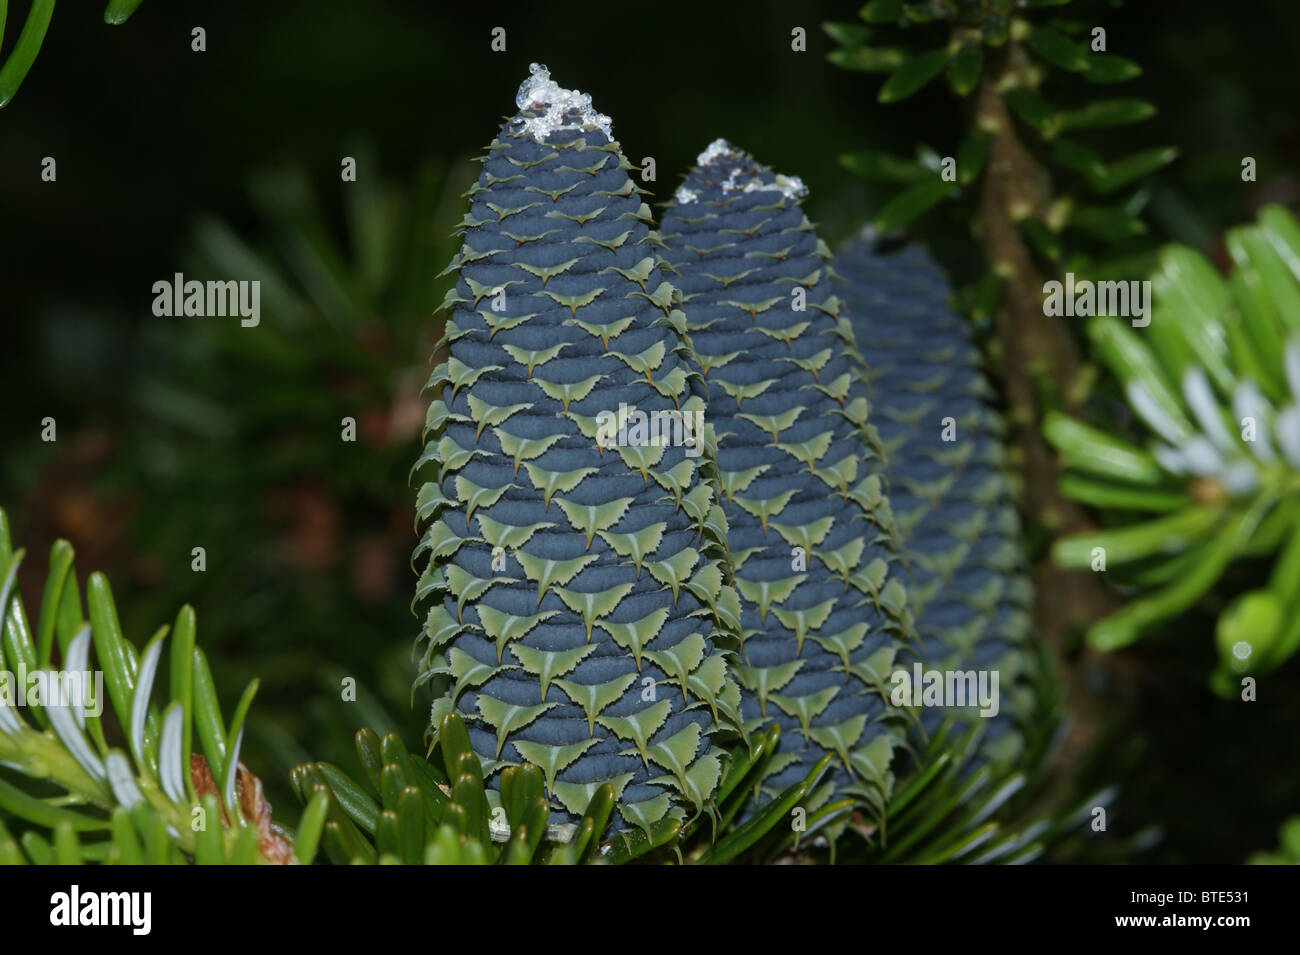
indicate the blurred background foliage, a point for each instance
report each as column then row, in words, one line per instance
column 183, row 432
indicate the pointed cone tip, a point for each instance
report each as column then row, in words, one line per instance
column 743, row 174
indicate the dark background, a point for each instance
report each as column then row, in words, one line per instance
column 182, row 432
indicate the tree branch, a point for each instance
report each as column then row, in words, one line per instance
column 1037, row 351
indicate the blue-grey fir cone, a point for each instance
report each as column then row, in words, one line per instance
column 577, row 603
column 823, row 609
column 954, row 507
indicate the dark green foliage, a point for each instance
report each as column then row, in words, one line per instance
column 1040, row 65
column 14, row 67
column 577, row 579
column 297, row 434
column 77, row 785
column 810, row 528
column 1288, row 850
column 401, row 809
